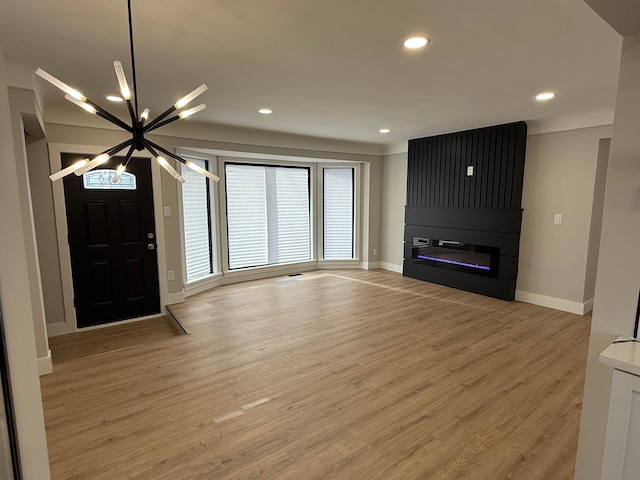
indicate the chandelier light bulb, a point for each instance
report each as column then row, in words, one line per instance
column 202, row 171
column 84, row 105
column 122, row 80
column 191, row 111
column 96, row 162
column 61, row 85
column 69, row 170
column 187, row 98
column 145, row 115
column 164, row 164
column 119, row 171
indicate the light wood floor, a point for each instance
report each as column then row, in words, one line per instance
column 329, row 375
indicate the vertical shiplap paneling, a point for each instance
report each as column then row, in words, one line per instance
column 438, row 165
column 503, row 149
column 509, row 175
column 458, row 178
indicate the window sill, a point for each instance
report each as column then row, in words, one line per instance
column 336, row 264
column 257, row 273
column 203, row 284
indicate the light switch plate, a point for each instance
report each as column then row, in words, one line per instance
column 167, row 211
column 469, row 170
column 557, row 219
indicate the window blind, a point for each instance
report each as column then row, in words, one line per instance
column 267, row 215
column 198, row 242
column 338, row 215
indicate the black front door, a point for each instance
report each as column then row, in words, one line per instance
column 112, row 242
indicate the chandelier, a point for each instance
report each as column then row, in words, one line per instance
column 138, row 127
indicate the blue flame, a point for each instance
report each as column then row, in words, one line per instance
column 454, row 262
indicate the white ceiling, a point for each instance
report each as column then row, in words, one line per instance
column 331, row 68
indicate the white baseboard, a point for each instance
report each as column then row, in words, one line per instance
column 45, row 364
column 370, row 265
column 55, row 329
column 555, row 303
column 391, row 267
column 339, row 264
column 175, row 298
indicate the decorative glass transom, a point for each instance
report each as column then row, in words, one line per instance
column 103, row 180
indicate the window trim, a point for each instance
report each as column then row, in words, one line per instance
column 357, row 215
column 222, row 202
column 213, row 279
column 224, row 275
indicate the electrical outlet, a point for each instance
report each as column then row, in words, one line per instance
column 375, row 252
column 171, row 275
column 470, row 171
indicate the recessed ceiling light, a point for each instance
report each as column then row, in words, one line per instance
column 416, row 42
column 544, row 96
column 266, row 111
column 384, row 130
column 113, row 98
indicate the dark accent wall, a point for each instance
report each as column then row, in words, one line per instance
column 437, row 169
column 484, row 208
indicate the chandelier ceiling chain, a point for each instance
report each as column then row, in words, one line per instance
column 137, row 129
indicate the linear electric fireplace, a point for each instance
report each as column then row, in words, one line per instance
column 456, row 255
column 463, row 214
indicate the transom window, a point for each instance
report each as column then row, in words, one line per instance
column 103, row 180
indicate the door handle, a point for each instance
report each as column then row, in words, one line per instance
column 151, row 246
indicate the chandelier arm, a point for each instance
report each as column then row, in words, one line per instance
column 181, row 115
column 132, row 113
column 113, row 150
column 127, row 157
column 159, row 118
column 133, row 61
column 149, row 147
column 149, row 143
column 163, row 123
column 163, row 162
column 101, row 112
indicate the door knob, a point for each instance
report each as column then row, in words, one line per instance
column 151, row 246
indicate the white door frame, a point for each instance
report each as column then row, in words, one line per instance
column 70, row 324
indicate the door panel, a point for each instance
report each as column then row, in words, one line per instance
column 112, row 245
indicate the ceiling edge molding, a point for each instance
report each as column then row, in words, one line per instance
column 622, row 15
column 534, row 127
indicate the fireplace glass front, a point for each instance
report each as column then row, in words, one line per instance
column 456, row 255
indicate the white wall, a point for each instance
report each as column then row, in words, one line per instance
column 22, row 105
column 618, row 278
column 45, row 225
column 16, row 303
column 394, row 196
column 559, row 177
column 597, row 210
